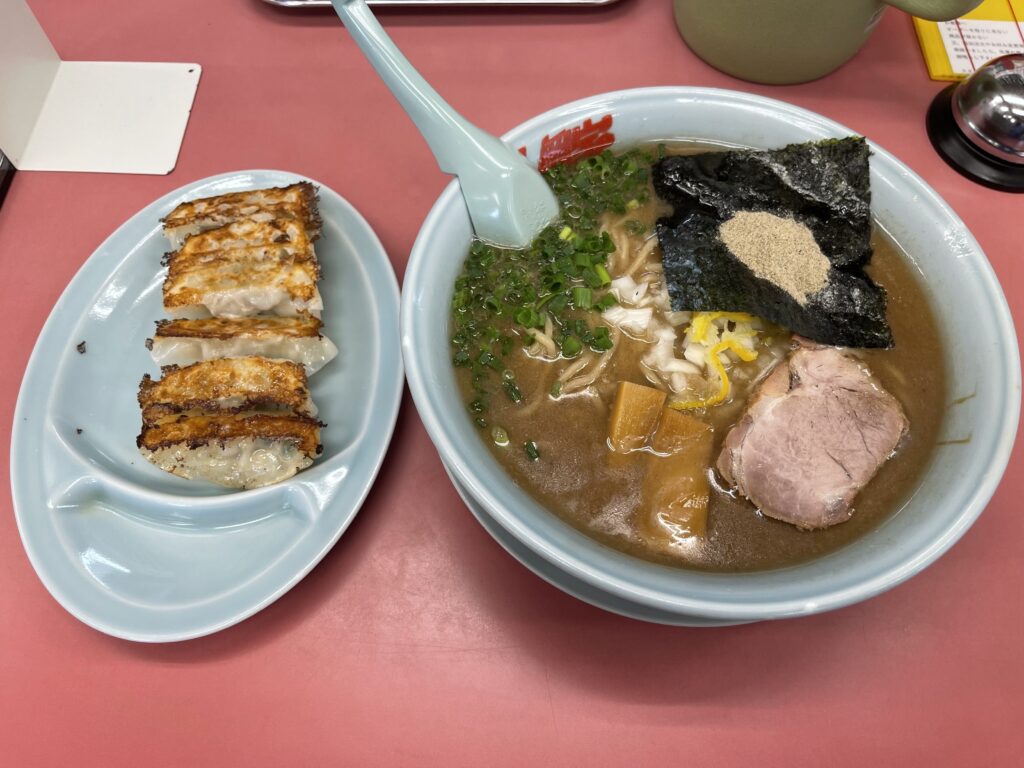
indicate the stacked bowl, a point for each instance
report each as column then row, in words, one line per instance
column 981, row 357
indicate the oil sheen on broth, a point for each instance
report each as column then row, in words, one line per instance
column 597, row 491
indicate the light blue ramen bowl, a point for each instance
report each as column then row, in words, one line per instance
column 957, row 484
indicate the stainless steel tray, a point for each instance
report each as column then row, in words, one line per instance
column 445, row 3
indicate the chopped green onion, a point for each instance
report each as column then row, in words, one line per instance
column 600, row 340
column 528, row 317
column 486, row 358
column 556, row 283
column 531, row 450
column 556, row 389
column 592, row 278
column 549, row 281
column 571, row 346
column 544, row 300
column 559, row 303
column 512, row 391
column 582, row 298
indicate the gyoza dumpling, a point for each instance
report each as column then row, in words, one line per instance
column 296, row 201
column 298, row 338
column 239, row 282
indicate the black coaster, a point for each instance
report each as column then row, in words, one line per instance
column 957, row 150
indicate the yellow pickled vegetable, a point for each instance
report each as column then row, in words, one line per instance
column 724, row 386
column 701, row 323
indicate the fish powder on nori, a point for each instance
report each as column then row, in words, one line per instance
column 822, row 185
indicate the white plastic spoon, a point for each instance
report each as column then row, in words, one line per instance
column 508, row 200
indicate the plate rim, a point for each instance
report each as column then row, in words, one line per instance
column 388, row 296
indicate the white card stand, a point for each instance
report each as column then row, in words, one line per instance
column 108, row 117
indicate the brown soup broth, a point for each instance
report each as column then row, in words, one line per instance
column 597, row 491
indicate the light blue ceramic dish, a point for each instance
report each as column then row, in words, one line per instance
column 571, row 585
column 958, row 482
column 141, row 554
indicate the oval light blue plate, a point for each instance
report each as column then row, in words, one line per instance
column 141, row 554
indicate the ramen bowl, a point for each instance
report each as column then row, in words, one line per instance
column 975, row 440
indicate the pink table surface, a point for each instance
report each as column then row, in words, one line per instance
column 418, row 641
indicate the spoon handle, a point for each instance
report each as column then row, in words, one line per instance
column 444, row 129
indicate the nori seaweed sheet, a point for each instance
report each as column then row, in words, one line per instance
column 824, row 185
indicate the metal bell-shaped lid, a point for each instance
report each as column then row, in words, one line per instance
column 978, row 125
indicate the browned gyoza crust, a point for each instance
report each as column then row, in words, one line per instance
column 180, row 263
column 190, row 277
column 196, row 429
column 303, row 325
column 249, row 382
column 290, row 233
column 297, row 200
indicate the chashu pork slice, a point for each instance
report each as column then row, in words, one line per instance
column 239, row 282
column 238, row 450
column 297, row 338
column 817, row 429
column 228, row 384
column 297, row 201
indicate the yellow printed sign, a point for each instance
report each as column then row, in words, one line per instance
column 954, row 49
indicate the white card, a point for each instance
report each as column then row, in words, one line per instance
column 113, row 117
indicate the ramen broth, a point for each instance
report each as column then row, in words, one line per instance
column 597, row 491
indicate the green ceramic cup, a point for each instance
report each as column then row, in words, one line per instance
column 791, row 41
